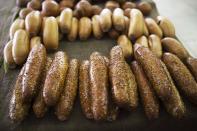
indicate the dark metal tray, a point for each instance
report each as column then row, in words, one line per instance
column 81, row 50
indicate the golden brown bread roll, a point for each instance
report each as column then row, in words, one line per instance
column 174, row 105
column 124, row 88
column 181, row 75
column 160, row 80
column 67, row 99
column 54, row 82
column 99, row 86
column 147, row 94
column 174, row 46
column 17, row 109
column 154, row 71
column 39, row 106
column 85, row 90
column 33, row 71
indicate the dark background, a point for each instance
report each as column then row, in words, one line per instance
column 184, row 16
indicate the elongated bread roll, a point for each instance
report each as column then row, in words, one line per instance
column 32, row 74
column 55, row 78
column 85, row 90
column 181, row 75
column 50, row 33
column 17, row 109
column 39, row 106
column 124, row 88
column 147, row 94
column 67, row 99
column 160, row 80
column 99, row 86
